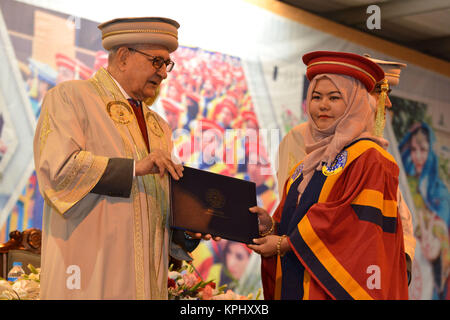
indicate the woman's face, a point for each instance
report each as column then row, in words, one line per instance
column 419, row 151
column 326, row 105
column 236, row 259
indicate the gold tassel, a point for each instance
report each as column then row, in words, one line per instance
column 380, row 118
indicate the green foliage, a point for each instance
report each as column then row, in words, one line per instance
column 444, row 170
column 406, row 113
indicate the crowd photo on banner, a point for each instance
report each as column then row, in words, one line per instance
column 206, row 92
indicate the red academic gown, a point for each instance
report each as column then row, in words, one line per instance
column 345, row 234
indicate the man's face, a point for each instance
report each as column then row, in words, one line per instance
column 211, row 145
column 172, row 119
column 208, row 87
column 141, row 76
column 65, row 74
column 172, row 93
column 210, row 140
column 225, row 116
column 250, row 124
column 43, row 88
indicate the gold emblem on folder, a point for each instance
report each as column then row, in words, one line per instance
column 215, row 198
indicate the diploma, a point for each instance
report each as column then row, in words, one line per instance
column 207, row 202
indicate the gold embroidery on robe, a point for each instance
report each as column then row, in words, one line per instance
column 155, row 188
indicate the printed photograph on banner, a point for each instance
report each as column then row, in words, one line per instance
column 16, row 130
column 209, row 108
column 226, row 102
column 205, row 100
column 283, row 85
column 422, row 146
column 50, row 52
column 8, row 137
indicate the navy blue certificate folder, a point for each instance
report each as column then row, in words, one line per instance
column 207, row 202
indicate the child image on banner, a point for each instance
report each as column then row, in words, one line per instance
column 432, row 202
column 428, row 185
column 215, row 128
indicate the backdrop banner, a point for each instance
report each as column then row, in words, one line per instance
column 235, row 91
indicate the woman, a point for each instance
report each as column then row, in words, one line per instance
column 432, row 201
column 336, row 233
column 236, row 258
column 224, row 261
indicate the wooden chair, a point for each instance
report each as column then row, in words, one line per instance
column 22, row 247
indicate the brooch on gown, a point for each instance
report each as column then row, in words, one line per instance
column 120, row 112
column 154, row 125
column 297, row 172
column 337, row 165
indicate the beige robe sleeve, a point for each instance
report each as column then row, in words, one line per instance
column 408, row 231
column 117, row 179
column 65, row 170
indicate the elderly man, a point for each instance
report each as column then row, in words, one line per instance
column 292, row 150
column 103, row 160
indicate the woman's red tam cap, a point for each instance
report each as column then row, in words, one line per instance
column 349, row 64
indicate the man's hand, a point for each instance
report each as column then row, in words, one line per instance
column 158, row 161
column 199, row 235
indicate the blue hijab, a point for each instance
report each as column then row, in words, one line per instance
column 433, row 191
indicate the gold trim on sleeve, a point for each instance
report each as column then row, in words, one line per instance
column 90, row 171
column 45, row 131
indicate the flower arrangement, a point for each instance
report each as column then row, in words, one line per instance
column 27, row 287
column 185, row 284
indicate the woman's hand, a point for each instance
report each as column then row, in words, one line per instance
column 267, row 246
column 265, row 220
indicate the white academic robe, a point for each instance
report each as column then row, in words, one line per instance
column 98, row 246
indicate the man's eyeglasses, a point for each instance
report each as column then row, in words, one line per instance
column 157, row 61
